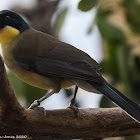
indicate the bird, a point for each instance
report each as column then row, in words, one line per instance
column 45, row 62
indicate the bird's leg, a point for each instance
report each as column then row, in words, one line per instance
column 36, row 103
column 73, row 101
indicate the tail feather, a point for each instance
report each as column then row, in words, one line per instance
column 123, row 96
column 131, row 108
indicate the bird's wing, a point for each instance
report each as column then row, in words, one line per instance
column 49, row 57
column 59, row 69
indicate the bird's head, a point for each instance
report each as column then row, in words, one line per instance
column 11, row 25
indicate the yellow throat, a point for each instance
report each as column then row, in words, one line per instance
column 7, row 34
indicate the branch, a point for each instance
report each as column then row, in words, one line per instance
column 9, row 106
column 90, row 123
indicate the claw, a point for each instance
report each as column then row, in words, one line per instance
column 41, row 109
column 74, row 108
column 35, row 105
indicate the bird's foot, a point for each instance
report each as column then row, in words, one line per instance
column 35, row 105
column 41, row 109
column 73, row 107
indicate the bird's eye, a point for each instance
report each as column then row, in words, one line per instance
column 7, row 17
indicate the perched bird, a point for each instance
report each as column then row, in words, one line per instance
column 47, row 63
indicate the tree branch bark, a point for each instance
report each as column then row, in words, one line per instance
column 62, row 123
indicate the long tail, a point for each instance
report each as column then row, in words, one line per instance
column 131, row 108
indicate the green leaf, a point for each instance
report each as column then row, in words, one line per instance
column 136, row 137
column 86, row 5
column 103, row 13
column 135, row 77
column 59, row 21
column 110, row 32
column 123, row 59
column 132, row 11
column 17, row 84
column 25, row 91
column 105, row 102
column 92, row 25
column 110, row 64
column 33, row 93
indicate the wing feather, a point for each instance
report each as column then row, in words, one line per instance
column 48, row 56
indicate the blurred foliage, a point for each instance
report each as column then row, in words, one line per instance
column 132, row 9
column 25, row 91
column 60, row 20
column 119, row 24
column 111, row 33
column 86, row 5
